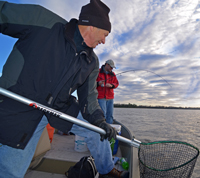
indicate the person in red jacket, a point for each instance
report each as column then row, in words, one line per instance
column 106, row 83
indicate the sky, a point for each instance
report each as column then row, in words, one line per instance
column 154, row 44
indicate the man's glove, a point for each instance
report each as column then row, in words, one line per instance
column 110, row 131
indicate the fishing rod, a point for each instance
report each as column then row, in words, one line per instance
column 134, row 70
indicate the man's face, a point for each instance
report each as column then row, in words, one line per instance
column 108, row 68
column 96, row 36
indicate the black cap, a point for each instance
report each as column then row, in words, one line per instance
column 95, row 14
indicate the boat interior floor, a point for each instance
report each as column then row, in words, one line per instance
column 59, row 158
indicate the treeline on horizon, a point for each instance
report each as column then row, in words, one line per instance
column 117, row 105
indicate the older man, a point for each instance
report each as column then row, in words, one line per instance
column 51, row 59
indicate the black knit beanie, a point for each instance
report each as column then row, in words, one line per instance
column 95, row 14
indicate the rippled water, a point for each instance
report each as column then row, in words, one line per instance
column 163, row 124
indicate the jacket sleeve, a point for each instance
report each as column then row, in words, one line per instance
column 15, row 19
column 87, row 96
column 114, row 82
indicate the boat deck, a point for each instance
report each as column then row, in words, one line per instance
column 62, row 155
column 58, row 159
column 62, row 148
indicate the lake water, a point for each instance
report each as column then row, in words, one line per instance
column 148, row 125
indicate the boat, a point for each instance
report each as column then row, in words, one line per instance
column 53, row 160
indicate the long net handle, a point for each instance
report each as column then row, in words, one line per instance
column 31, row 103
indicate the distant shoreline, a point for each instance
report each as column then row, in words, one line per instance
column 153, row 107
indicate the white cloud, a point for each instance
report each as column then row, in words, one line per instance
column 159, row 36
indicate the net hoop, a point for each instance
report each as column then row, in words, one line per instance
column 178, row 142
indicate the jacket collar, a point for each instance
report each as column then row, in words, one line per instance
column 102, row 71
column 73, row 35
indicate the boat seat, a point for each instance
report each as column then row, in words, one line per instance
column 42, row 147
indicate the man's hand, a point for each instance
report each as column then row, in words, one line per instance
column 110, row 131
column 109, row 85
column 101, row 82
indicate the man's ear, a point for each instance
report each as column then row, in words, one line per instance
column 91, row 28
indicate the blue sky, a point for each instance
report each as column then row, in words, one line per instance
column 159, row 39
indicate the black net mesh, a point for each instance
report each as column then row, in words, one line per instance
column 167, row 159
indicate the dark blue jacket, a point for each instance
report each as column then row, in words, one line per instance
column 48, row 62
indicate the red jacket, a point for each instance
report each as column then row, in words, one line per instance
column 105, row 92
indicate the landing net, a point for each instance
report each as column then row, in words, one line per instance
column 167, row 159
